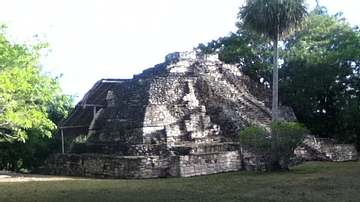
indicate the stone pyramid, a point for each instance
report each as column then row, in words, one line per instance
column 178, row 119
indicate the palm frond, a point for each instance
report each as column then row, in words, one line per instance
column 275, row 18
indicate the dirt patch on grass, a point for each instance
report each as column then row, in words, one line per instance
column 7, row 176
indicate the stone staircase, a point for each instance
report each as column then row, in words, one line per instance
column 226, row 80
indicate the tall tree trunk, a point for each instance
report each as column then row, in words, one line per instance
column 275, row 99
column 275, row 158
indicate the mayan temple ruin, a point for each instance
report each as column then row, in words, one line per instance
column 180, row 118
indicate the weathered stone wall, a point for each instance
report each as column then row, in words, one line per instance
column 107, row 166
column 323, row 149
column 205, row 164
column 113, row 166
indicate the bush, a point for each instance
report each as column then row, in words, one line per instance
column 275, row 147
column 29, row 156
column 257, row 140
column 289, row 136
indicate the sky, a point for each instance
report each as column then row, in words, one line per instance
column 95, row 39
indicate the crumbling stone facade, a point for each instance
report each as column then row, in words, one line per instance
column 180, row 118
column 324, row 149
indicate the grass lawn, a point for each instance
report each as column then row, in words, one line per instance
column 315, row 181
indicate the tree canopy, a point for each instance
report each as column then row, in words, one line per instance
column 274, row 18
column 28, row 96
column 315, row 77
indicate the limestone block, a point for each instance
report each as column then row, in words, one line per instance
column 153, row 134
column 111, row 99
column 158, row 115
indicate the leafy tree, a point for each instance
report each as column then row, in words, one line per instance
column 31, row 104
column 29, row 156
column 25, row 92
column 349, row 119
column 314, row 79
column 276, row 19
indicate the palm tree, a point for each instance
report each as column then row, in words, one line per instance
column 276, row 19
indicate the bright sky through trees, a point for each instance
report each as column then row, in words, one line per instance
column 97, row 39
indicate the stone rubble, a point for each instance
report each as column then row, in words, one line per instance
column 323, row 149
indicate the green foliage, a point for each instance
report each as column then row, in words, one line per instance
column 31, row 104
column 275, row 18
column 80, row 139
column 256, row 139
column 78, row 144
column 349, row 118
column 289, row 136
column 275, row 146
column 30, row 155
column 26, row 93
column 314, row 79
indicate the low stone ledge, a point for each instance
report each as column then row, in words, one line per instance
column 205, row 164
column 106, row 166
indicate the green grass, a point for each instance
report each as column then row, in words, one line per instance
column 316, row 181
